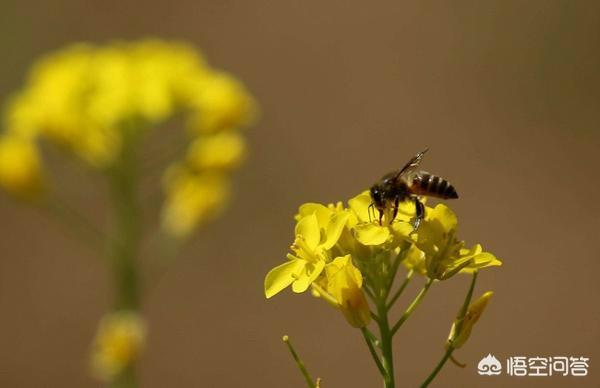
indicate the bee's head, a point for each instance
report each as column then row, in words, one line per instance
column 377, row 196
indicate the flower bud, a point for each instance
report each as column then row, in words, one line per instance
column 344, row 284
column 461, row 328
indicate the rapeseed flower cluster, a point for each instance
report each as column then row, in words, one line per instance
column 92, row 100
column 345, row 256
column 337, row 249
column 97, row 104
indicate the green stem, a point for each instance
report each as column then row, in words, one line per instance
column 125, row 243
column 374, row 354
column 397, row 260
column 401, row 289
column 299, row 363
column 126, row 240
column 450, row 349
column 438, row 367
column 374, row 340
column 127, row 379
column 465, row 306
column 412, row 306
column 386, row 345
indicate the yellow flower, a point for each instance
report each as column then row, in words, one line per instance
column 20, row 170
column 85, row 98
column 224, row 151
column 118, row 343
column 96, row 102
column 444, row 255
column 342, row 288
column 223, row 103
column 461, row 328
column 192, row 200
column 367, row 230
column 315, row 236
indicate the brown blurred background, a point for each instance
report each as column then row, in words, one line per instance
column 504, row 93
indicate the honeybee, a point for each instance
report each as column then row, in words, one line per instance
column 408, row 184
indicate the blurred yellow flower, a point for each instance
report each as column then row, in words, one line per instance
column 20, row 169
column 84, row 97
column 223, row 103
column 94, row 101
column 461, row 328
column 118, row 343
column 192, row 199
column 223, row 151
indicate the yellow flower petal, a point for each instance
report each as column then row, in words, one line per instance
column 334, row 229
column 402, row 230
column 308, row 228
column 308, row 275
column 482, row 260
column 415, row 260
column 360, row 205
column 282, row 276
column 344, row 282
column 371, row 234
column 323, row 212
column 444, row 216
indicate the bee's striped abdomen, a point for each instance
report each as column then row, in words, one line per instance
column 433, row 186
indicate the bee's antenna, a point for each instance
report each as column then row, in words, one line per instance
column 371, row 206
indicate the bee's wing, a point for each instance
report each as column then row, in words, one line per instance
column 412, row 164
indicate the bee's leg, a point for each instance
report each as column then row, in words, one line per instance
column 369, row 209
column 419, row 214
column 395, row 213
column 380, row 216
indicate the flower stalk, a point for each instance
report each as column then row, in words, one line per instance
column 414, row 304
column 386, row 346
column 450, row 348
column 299, row 363
column 125, row 243
column 123, row 182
